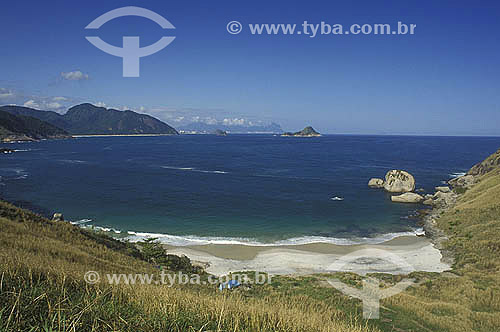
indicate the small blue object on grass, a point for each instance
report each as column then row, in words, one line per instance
column 229, row 285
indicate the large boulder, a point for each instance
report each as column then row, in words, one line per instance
column 376, row 183
column 407, row 198
column 397, row 181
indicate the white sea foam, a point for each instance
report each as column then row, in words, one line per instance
column 73, row 161
column 192, row 169
column 191, row 240
column 80, row 222
column 457, row 174
column 14, row 173
column 103, row 229
column 336, row 198
column 22, row 150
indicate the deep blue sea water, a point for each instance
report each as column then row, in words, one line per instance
column 239, row 188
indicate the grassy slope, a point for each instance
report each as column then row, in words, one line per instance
column 42, row 264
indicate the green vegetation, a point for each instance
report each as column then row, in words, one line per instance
column 27, row 126
column 468, row 299
column 42, row 264
column 306, row 132
column 87, row 119
column 154, row 253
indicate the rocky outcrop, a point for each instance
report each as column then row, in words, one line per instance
column 16, row 138
column 440, row 199
column 219, row 132
column 58, row 217
column 376, row 183
column 486, row 166
column 444, row 199
column 464, row 182
column 306, row 132
column 407, row 198
column 443, row 189
column 397, row 181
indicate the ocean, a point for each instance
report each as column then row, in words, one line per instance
column 248, row 189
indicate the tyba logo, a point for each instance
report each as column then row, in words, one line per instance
column 131, row 52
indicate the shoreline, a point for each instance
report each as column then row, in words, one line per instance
column 122, row 135
column 419, row 253
column 422, row 253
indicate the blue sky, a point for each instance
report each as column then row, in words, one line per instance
column 444, row 79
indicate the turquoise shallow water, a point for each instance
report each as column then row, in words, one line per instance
column 254, row 189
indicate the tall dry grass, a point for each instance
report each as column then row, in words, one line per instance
column 42, row 289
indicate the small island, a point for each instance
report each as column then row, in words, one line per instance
column 220, row 132
column 306, row 132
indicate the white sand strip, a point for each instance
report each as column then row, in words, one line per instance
column 417, row 254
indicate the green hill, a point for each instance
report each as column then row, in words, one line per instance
column 20, row 127
column 87, row 119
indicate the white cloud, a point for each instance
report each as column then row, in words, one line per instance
column 4, row 93
column 211, row 121
column 59, row 99
column 234, row 122
column 207, row 120
column 31, row 104
column 100, row 104
column 53, row 105
column 74, row 76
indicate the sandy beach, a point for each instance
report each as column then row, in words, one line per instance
column 398, row 256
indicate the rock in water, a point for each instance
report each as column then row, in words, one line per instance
column 397, row 181
column 219, row 132
column 306, row 132
column 407, row 198
column 376, row 183
column 58, row 217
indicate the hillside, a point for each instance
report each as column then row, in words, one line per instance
column 42, row 264
column 90, row 119
column 20, row 127
column 87, row 119
column 42, row 288
column 489, row 164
